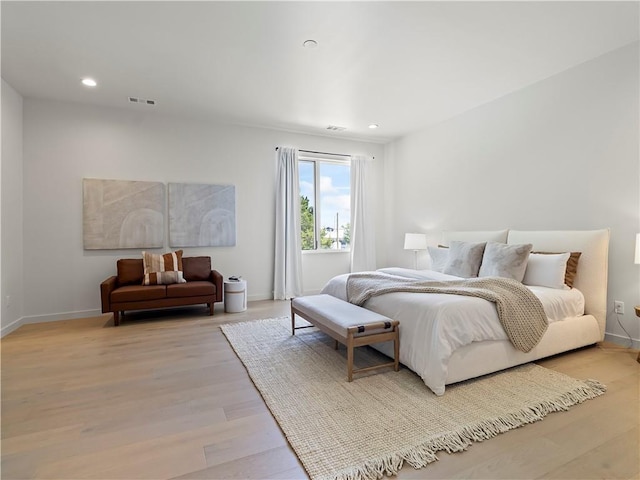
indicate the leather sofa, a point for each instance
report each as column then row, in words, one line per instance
column 125, row 291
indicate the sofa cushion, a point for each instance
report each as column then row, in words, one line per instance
column 191, row 289
column 130, row 271
column 196, row 268
column 167, row 262
column 163, row 278
column 138, row 293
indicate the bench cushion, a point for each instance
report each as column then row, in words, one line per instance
column 337, row 315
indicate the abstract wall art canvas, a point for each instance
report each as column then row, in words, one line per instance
column 202, row 215
column 122, row 214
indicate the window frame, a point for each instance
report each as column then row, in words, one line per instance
column 316, row 159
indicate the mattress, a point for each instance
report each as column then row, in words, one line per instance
column 434, row 326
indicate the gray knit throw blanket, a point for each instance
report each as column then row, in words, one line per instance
column 519, row 310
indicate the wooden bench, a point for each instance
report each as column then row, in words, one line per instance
column 348, row 324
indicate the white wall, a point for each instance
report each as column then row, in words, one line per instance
column 11, row 239
column 560, row 154
column 66, row 142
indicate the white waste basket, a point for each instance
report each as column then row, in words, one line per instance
column 235, row 296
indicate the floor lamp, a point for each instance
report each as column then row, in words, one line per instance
column 415, row 242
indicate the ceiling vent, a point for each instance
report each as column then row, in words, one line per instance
column 336, row 129
column 141, row 101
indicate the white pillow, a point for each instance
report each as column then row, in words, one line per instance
column 546, row 270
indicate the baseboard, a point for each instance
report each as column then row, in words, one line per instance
column 611, row 337
column 11, row 327
column 255, row 298
column 622, row 340
column 312, row 292
column 54, row 317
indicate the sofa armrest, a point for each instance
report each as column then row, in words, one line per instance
column 106, row 287
column 216, row 279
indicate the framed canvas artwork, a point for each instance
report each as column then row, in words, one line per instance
column 122, row 214
column 202, row 215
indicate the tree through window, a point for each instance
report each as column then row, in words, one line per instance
column 325, row 202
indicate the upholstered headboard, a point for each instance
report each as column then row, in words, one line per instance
column 593, row 266
column 499, row 236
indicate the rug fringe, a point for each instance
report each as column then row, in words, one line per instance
column 425, row 453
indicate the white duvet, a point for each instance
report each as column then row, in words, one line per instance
column 433, row 326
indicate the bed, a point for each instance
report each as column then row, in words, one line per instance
column 449, row 338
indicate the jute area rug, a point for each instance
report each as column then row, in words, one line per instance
column 369, row 427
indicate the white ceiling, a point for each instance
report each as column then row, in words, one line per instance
column 403, row 65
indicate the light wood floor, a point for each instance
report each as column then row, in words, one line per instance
column 164, row 396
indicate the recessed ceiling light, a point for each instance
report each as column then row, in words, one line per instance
column 373, row 125
column 89, row 82
column 310, row 44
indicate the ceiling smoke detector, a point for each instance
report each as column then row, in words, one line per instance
column 335, row 128
column 142, row 101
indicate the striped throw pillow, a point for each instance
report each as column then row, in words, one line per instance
column 163, row 278
column 169, row 262
column 162, row 269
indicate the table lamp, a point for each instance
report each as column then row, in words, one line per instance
column 415, row 242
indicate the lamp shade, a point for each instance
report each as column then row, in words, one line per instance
column 638, row 248
column 415, row 241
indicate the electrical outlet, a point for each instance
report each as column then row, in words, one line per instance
column 618, row 307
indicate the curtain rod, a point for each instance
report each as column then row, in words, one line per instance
column 324, row 153
column 321, row 153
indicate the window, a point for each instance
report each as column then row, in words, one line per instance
column 325, row 202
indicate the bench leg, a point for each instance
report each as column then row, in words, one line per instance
column 293, row 320
column 396, row 351
column 350, row 357
column 335, row 345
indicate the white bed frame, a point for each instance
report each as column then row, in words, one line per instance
column 481, row 358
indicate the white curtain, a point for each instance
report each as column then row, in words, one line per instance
column 287, row 282
column 363, row 245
